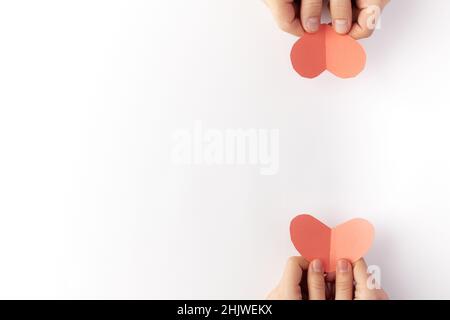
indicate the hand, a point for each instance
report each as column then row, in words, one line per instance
column 356, row 18
column 306, row 281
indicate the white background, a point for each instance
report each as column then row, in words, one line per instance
column 92, row 207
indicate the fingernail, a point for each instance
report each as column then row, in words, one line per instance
column 343, row 266
column 312, row 24
column 341, row 26
column 317, row 266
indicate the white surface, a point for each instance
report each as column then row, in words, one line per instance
column 92, row 206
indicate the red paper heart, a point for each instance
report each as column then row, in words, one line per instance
column 326, row 50
column 314, row 240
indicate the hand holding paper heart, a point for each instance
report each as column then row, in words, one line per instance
column 326, row 50
column 300, row 282
column 355, row 18
column 314, row 240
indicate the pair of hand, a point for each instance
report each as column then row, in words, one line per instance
column 354, row 17
column 306, row 281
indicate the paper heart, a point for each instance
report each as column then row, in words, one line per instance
column 327, row 50
column 314, row 240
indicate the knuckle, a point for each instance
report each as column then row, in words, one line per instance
column 340, row 8
column 340, row 5
column 343, row 283
column 312, row 6
column 317, row 285
column 345, row 291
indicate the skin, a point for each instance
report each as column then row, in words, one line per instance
column 302, row 280
column 355, row 18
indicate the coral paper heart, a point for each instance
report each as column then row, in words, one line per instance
column 326, row 50
column 314, row 240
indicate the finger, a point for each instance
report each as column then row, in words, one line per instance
column 362, row 279
column 316, row 281
column 292, row 276
column 360, row 273
column 344, row 280
column 341, row 15
column 311, row 11
column 363, row 28
column 286, row 14
column 362, row 292
column 366, row 22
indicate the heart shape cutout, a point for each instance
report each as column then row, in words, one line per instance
column 327, row 50
column 315, row 240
